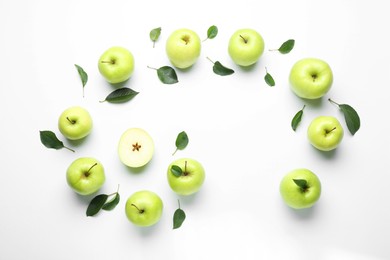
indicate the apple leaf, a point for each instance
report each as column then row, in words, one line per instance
column 176, row 170
column 181, row 141
column 50, row 140
column 155, row 34
column 221, row 70
column 83, row 76
column 96, row 204
column 110, row 205
column 297, row 118
column 269, row 79
column 120, row 95
column 212, row 32
column 166, row 74
column 352, row 118
column 301, row 183
column 287, row 46
column 178, row 217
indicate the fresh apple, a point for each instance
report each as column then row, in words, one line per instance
column 311, row 78
column 136, row 147
column 325, row 133
column 85, row 175
column 75, row 123
column 116, row 64
column 183, row 48
column 300, row 188
column 245, row 47
column 185, row 176
column 144, row 208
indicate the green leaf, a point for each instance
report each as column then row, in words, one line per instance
column 178, row 217
column 297, row 118
column 269, row 79
column 212, row 32
column 155, row 34
column 221, row 70
column 96, row 204
column 167, row 75
column 50, row 140
column 352, row 118
column 182, row 140
column 112, row 203
column 83, row 76
column 287, row 46
column 120, row 95
column 176, row 170
column 301, row 183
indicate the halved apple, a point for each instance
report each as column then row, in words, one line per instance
column 136, row 147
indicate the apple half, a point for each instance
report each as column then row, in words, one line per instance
column 135, row 148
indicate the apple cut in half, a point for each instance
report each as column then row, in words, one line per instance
column 136, row 147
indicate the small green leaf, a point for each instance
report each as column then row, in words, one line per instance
column 83, row 76
column 301, row 183
column 155, row 34
column 120, row 95
column 176, row 170
column 96, row 204
column 50, row 140
column 178, row 217
column 112, row 203
column 269, row 79
column 352, row 118
column 212, row 32
column 167, row 75
column 182, row 140
column 287, row 46
column 297, row 118
column 221, row 70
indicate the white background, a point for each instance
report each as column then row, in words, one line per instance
column 239, row 129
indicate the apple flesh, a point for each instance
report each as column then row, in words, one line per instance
column 183, row 48
column 245, row 47
column 325, row 133
column 116, row 64
column 311, row 78
column 75, row 123
column 136, row 147
column 191, row 179
column 85, row 175
column 144, row 208
column 301, row 196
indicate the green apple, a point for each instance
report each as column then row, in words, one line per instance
column 116, row 64
column 300, row 188
column 75, row 123
column 85, row 175
column 325, row 133
column 135, row 148
column 185, row 176
column 183, row 48
column 311, row 78
column 144, row 208
column 245, row 47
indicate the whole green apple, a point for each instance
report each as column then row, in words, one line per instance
column 116, row 64
column 75, row 123
column 185, row 176
column 85, row 175
column 144, row 208
column 325, row 133
column 300, row 188
column 135, row 148
column 245, row 47
column 311, row 78
column 183, row 48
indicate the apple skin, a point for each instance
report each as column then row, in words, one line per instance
column 311, row 78
column 190, row 181
column 325, row 133
column 85, row 175
column 144, row 208
column 245, row 47
column 293, row 195
column 135, row 148
column 116, row 64
column 75, row 123
column 183, row 48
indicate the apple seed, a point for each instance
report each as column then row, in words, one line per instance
column 136, row 147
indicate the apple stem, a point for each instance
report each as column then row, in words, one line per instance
column 117, row 190
column 106, row 61
column 331, row 101
column 245, row 40
column 174, row 152
column 210, row 60
column 303, row 106
column 69, row 148
column 185, row 168
column 88, row 172
column 71, row 121
column 139, row 210
column 178, row 202
column 334, row 128
column 151, row 68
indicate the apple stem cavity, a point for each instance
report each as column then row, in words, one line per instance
column 302, row 184
column 71, row 121
column 139, row 210
column 314, row 77
column 245, row 40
